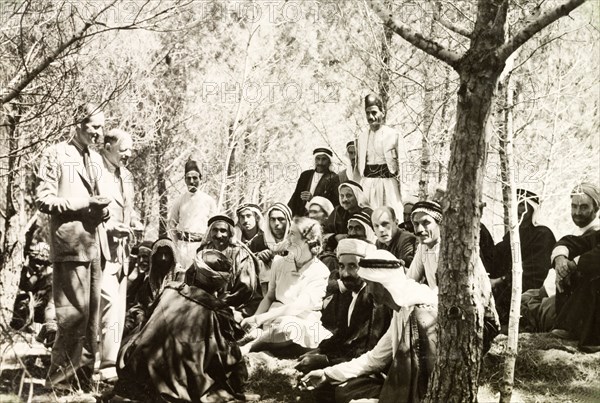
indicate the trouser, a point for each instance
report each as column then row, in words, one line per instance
column 76, row 293
column 113, row 301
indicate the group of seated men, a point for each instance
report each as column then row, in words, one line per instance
column 344, row 277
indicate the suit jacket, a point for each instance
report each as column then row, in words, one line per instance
column 367, row 324
column 327, row 188
column 64, row 192
column 121, row 208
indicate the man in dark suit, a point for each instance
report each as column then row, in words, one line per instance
column 320, row 181
column 69, row 191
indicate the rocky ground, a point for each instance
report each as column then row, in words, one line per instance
column 548, row 370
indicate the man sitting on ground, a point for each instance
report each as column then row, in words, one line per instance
column 361, row 323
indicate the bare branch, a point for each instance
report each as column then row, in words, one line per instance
column 536, row 26
column 427, row 45
column 447, row 24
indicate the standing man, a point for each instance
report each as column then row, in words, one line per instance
column 118, row 184
column 320, row 181
column 189, row 216
column 381, row 155
column 69, row 192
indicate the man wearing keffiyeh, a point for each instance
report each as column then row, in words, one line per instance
column 409, row 344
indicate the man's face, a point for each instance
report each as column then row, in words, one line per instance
column 247, row 220
column 144, row 260
column 192, row 181
column 120, row 152
column 164, row 256
column 219, row 234
column 374, row 117
column 357, row 231
column 385, row 227
column 427, row 229
column 347, row 199
column 348, row 265
column 407, row 209
column 352, row 155
column 381, row 295
column 524, row 212
column 277, row 223
column 317, row 213
column 89, row 132
column 582, row 210
column 322, row 163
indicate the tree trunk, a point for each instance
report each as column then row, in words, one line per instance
column 455, row 377
column 161, row 186
column 384, row 74
column 505, row 166
column 12, row 256
column 510, row 354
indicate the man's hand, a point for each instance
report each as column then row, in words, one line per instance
column 121, row 230
column 312, row 362
column 265, row 255
column 561, row 266
column 310, row 352
column 314, row 379
column 249, row 323
column 99, row 202
column 306, row 195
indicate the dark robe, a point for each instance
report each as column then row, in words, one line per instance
column 337, row 222
column 186, row 349
column 367, row 324
column 402, row 246
column 486, row 248
column 409, row 373
column 327, row 188
column 243, row 282
column 536, row 247
column 578, row 307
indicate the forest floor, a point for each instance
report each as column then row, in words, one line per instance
column 547, row 370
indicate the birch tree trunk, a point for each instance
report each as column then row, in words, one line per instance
column 510, row 354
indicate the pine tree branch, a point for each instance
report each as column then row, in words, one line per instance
column 427, row 45
column 536, row 26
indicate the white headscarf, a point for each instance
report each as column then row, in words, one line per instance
column 272, row 244
column 382, row 267
column 358, row 193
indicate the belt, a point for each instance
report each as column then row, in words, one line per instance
column 378, row 171
column 190, row 236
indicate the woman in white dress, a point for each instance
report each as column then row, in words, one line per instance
column 290, row 311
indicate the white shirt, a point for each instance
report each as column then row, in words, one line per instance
column 191, row 212
column 353, row 302
column 425, row 264
column 315, row 181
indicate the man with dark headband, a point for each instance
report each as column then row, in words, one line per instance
column 250, row 222
column 187, row 350
column 410, row 359
column 350, row 173
column 427, row 217
column 537, row 242
column 244, row 268
column 320, row 181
